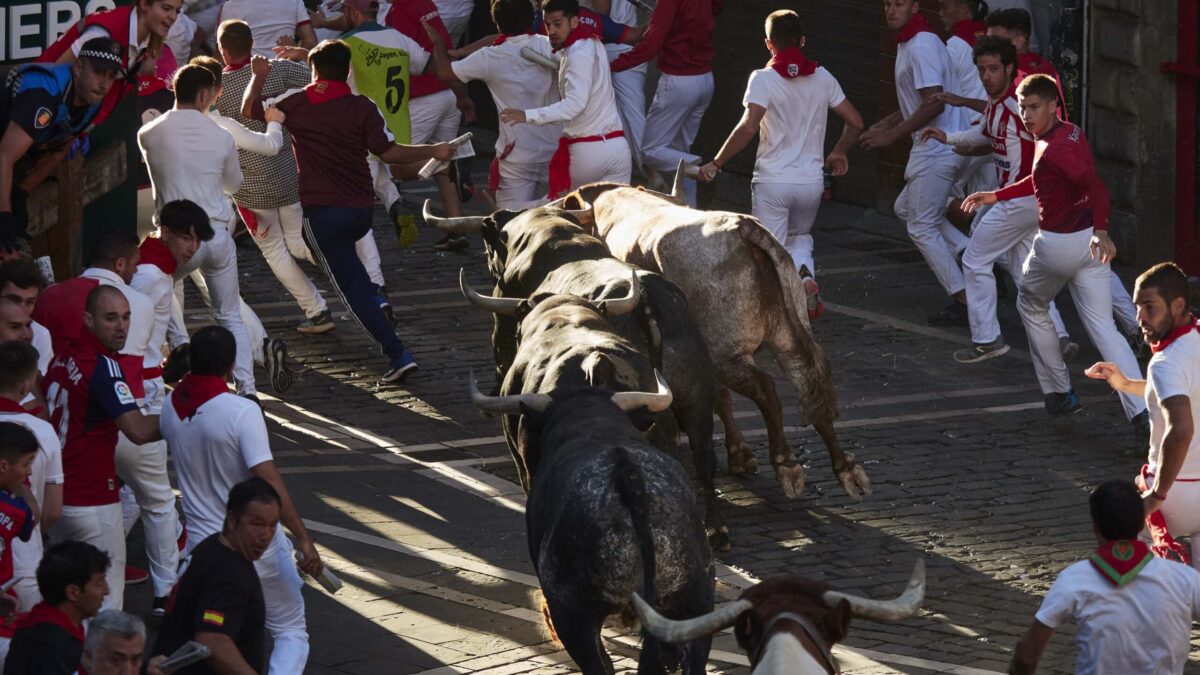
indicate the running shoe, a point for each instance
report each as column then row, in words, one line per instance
column 982, row 352
column 812, row 293
column 159, row 608
column 400, row 368
column 275, row 361
column 135, row 575
column 1062, row 405
column 321, row 323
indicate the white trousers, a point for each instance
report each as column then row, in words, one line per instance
column 144, row 469
column 1003, row 233
column 1182, row 513
column 434, row 118
column 922, row 206
column 522, row 186
column 101, row 527
column 1059, row 260
column 1123, row 309
column 281, row 585
column 271, row 238
column 788, row 212
column 381, row 178
column 673, row 122
column 629, row 86
column 216, row 260
column 28, row 593
column 606, row 160
column 293, row 237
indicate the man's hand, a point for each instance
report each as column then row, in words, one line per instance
column 291, row 53
column 434, row 36
column 312, row 564
column 285, row 41
column 947, row 98
column 837, row 163
column 154, row 666
column 936, row 134
column 260, row 66
column 1150, row 503
column 444, row 152
column 1103, row 248
column 977, row 200
column 708, row 172
column 467, row 107
column 8, row 607
column 273, row 114
column 318, row 18
column 1108, row 372
column 512, row 116
column 876, row 138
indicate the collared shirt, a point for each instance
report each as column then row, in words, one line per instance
column 39, row 98
column 588, row 106
column 189, row 156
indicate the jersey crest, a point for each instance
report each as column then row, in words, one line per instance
column 381, row 74
column 124, row 395
column 42, row 119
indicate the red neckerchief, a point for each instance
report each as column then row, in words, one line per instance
column 323, row 91
column 500, row 40
column 578, row 33
column 969, row 31
column 7, row 405
column 1031, row 64
column 1174, row 334
column 46, row 613
column 194, row 391
column 1120, row 561
column 155, row 252
column 791, row 63
column 237, row 65
column 915, row 25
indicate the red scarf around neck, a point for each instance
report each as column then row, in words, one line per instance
column 915, row 25
column 501, row 40
column 969, row 31
column 155, row 252
column 323, row 91
column 194, row 391
column 791, row 63
column 1174, row 334
column 46, row 613
column 7, row 405
column 580, row 32
column 237, row 65
column 1120, row 561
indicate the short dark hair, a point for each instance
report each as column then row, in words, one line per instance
column 212, row 351
column 784, row 29
column 512, row 16
column 16, row 441
column 68, row 563
column 98, row 293
column 251, row 490
column 1042, row 86
column 234, row 36
column 112, row 245
column 190, row 80
column 18, row 363
column 1015, row 20
column 21, row 273
column 1117, row 510
column 331, row 60
column 210, row 64
column 995, row 46
column 184, row 216
column 569, row 8
column 1168, row 279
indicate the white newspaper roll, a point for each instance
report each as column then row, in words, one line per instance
column 464, row 149
column 534, row 56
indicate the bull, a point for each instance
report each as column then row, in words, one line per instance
column 544, row 251
column 608, row 515
column 787, row 624
column 745, row 292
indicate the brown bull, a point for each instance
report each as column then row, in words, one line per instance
column 744, row 291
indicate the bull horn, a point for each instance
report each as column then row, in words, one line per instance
column 625, row 305
column 896, row 609
column 464, row 225
column 497, row 306
column 677, row 195
column 656, row 402
column 675, row 631
column 507, row 405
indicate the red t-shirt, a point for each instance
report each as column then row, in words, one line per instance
column 1070, row 195
column 16, row 522
column 680, row 34
column 85, row 392
column 406, row 17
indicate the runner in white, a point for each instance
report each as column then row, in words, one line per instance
column 273, row 22
column 959, row 19
column 629, row 85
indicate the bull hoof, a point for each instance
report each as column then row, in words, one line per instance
column 791, row 478
column 854, row 479
column 742, row 461
column 718, row 539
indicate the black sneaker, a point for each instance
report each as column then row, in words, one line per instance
column 275, row 361
column 982, row 352
column 1062, row 405
column 321, row 323
column 452, row 242
column 955, row 314
column 1141, row 431
column 177, row 364
column 159, row 608
column 400, row 369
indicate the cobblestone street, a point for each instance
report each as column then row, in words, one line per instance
column 410, row 492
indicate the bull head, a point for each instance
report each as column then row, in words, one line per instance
column 674, row 631
column 462, row 225
column 676, row 195
column 511, row 306
column 519, row 404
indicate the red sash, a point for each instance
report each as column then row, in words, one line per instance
column 1120, row 561
column 194, row 391
column 560, row 161
column 791, row 63
column 1174, row 334
column 1162, row 543
column 915, row 25
column 494, row 170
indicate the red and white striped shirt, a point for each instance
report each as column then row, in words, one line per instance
column 1002, row 127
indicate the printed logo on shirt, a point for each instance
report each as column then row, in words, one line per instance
column 1074, row 135
column 42, row 118
column 213, row 617
column 124, row 395
column 793, row 70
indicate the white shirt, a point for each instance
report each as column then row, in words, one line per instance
column 1175, row 371
column 47, row 470
column 265, row 143
column 454, row 9
column 791, row 135
column 268, row 20
column 44, row 346
column 1143, row 627
column 141, row 310
column 962, row 61
column 587, row 106
column 180, row 37
column 190, row 156
column 213, row 451
column 158, row 287
column 1002, row 128
column 923, row 62
column 516, row 83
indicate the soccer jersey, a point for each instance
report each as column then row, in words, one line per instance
column 381, row 63
column 16, row 523
column 46, row 470
column 1071, row 196
column 791, row 135
column 1012, row 144
column 86, row 391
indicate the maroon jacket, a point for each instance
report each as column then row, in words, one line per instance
column 680, row 34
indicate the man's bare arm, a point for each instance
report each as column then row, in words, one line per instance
column 922, row 116
column 13, row 147
column 852, row 127
column 1178, row 437
column 252, row 108
column 291, row 518
column 225, row 658
column 1029, row 650
column 138, row 428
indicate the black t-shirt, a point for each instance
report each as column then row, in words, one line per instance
column 219, row 592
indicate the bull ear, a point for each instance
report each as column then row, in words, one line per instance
column 492, row 235
column 837, row 622
column 748, row 630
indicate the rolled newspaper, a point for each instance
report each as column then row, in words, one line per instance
column 464, row 149
column 534, row 56
column 191, row 652
column 45, row 269
column 326, row 578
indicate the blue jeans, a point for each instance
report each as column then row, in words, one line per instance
column 331, row 232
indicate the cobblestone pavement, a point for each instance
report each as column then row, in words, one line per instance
column 410, row 495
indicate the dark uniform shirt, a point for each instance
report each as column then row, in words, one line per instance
column 39, row 98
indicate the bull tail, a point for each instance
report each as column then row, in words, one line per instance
column 809, row 368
